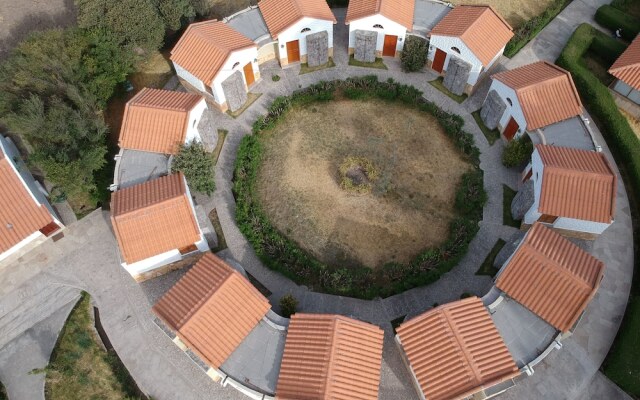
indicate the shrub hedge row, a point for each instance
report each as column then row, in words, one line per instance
column 612, row 18
column 282, row 254
column 529, row 29
column 600, row 103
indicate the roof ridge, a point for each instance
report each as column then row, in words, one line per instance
column 211, row 292
column 332, row 352
column 561, row 268
column 462, row 349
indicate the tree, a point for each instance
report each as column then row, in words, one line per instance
column 288, row 305
column 414, row 54
column 174, row 12
column 197, row 166
column 517, row 152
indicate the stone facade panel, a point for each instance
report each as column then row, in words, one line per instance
column 457, row 75
column 365, row 46
column 317, row 48
column 492, row 110
column 235, row 91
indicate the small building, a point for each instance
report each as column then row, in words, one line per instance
column 155, row 224
column 26, row 217
column 378, row 28
column 574, row 191
column 250, row 23
column 465, row 44
column 529, row 98
column 212, row 309
column 552, row 277
column 330, row 357
column 159, row 121
column 217, row 61
column 454, row 351
column 302, row 28
column 626, row 69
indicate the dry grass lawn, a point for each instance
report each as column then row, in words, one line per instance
column 410, row 205
column 635, row 123
column 514, row 11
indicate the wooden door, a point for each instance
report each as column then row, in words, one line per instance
column 293, row 51
column 438, row 60
column 188, row 249
column 547, row 219
column 390, row 44
column 248, row 74
column 49, row 229
column 511, row 129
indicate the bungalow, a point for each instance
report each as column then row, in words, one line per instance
column 552, row 277
column 155, row 224
column 574, row 191
column 158, row 121
column 303, row 29
column 330, row 357
column 214, row 59
column 465, row 44
column 26, row 217
column 626, row 69
column 529, row 98
column 378, row 27
column 455, row 351
column 212, row 309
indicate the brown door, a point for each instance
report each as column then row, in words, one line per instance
column 511, row 129
column 293, row 51
column 528, row 175
column 438, row 60
column 390, row 44
column 188, row 249
column 48, row 230
column 547, row 219
column 248, row 74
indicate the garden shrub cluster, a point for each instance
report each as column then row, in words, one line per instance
column 529, row 29
column 613, row 18
column 414, row 54
column 197, row 166
column 517, row 152
column 282, row 254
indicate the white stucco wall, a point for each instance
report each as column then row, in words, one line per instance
column 187, row 76
column 242, row 57
column 194, row 119
column 514, row 110
column 390, row 28
column 533, row 214
column 293, row 33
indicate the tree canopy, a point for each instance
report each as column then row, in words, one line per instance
column 197, row 166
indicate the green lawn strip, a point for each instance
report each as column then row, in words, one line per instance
column 622, row 365
column 306, row 69
column 507, row 197
column 251, row 98
column 217, row 227
column 80, row 368
column 437, row 83
column 487, row 268
column 378, row 63
column 491, row 134
column 222, row 135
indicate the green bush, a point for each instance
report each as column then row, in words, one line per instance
column 414, row 54
column 283, row 255
column 528, row 30
column 612, row 18
column 197, row 166
column 517, row 152
column 288, row 305
column 607, row 48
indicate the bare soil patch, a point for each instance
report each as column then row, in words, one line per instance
column 514, row 11
column 411, row 202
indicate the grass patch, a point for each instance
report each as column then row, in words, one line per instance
column 598, row 66
column 378, row 63
column 491, row 134
column 487, row 268
column 215, row 221
column 222, row 135
column 306, row 69
column 80, row 369
column 251, row 98
column 437, row 83
column 516, row 12
column 507, row 198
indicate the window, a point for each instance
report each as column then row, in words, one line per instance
column 378, row 26
column 235, row 65
column 509, row 101
column 305, row 30
column 455, row 49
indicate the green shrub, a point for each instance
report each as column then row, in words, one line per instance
column 288, row 305
column 607, row 48
column 414, row 54
column 275, row 77
column 517, row 152
column 197, row 166
column 612, row 18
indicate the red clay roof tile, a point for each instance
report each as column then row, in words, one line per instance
column 627, row 66
column 281, row 14
column 400, row 11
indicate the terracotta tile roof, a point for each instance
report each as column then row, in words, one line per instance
column 212, row 308
column 627, row 66
column 546, row 93
column 455, row 350
column 400, row 11
column 205, row 46
column 577, row 184
column 153, row 217
column 281, row 14
column 156, row 120
column 330, row 357
column 20, row 215
column 552, row 277
column 481, row 28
